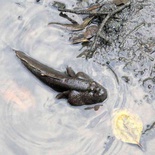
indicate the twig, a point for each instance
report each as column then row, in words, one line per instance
column 134, row 29
column 109, row 15
column 103, row 35
column 70, row 19
column 149, row 128
column 92, row 49
column 110, row 68
column 84, row 12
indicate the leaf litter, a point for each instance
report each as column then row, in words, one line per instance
column 127, row 127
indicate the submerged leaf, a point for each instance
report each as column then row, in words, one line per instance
column 83, row 54
column 79, row 39
column 83, row 37
column 93, row 7
column 90, row 31
column 86, row 22
column 127, row 127
column 75, row 27
column 120, row 2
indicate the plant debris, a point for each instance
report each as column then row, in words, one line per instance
column 127, row 127
column 120, row 2
column 75, row 27
column 85, row 36
column 94, row 12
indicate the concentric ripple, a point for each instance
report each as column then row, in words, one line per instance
column 34, row 122
column 30, row 123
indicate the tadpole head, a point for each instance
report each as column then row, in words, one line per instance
column 103, row 94
column 100, row 93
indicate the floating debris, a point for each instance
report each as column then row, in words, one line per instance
column 127, row 127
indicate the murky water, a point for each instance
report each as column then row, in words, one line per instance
column 34, row 122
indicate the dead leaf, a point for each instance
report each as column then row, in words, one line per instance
column 120, row 2
column 75, row 27
column 90, row 31
column 86, row 22
column 127, row 127
column 83, row 37
column 78, row 39
column 93, row 7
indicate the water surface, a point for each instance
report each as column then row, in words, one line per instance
column 34, row 122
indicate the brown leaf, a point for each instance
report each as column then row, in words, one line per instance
column 78, row 39
column 120, row 2
column 75, row 27
column 93, row 7
column 90, row 31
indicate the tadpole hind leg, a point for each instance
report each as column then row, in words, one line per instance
column 70, row 72
column 63, row 95
column 82, row 75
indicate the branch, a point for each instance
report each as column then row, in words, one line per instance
column 84, row 12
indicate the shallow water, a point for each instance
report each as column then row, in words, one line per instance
column 34, row 122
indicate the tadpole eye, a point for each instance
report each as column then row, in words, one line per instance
column 101, row 92
column 92, row 86
column 98, row 89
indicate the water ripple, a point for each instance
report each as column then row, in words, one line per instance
column 32, row 120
